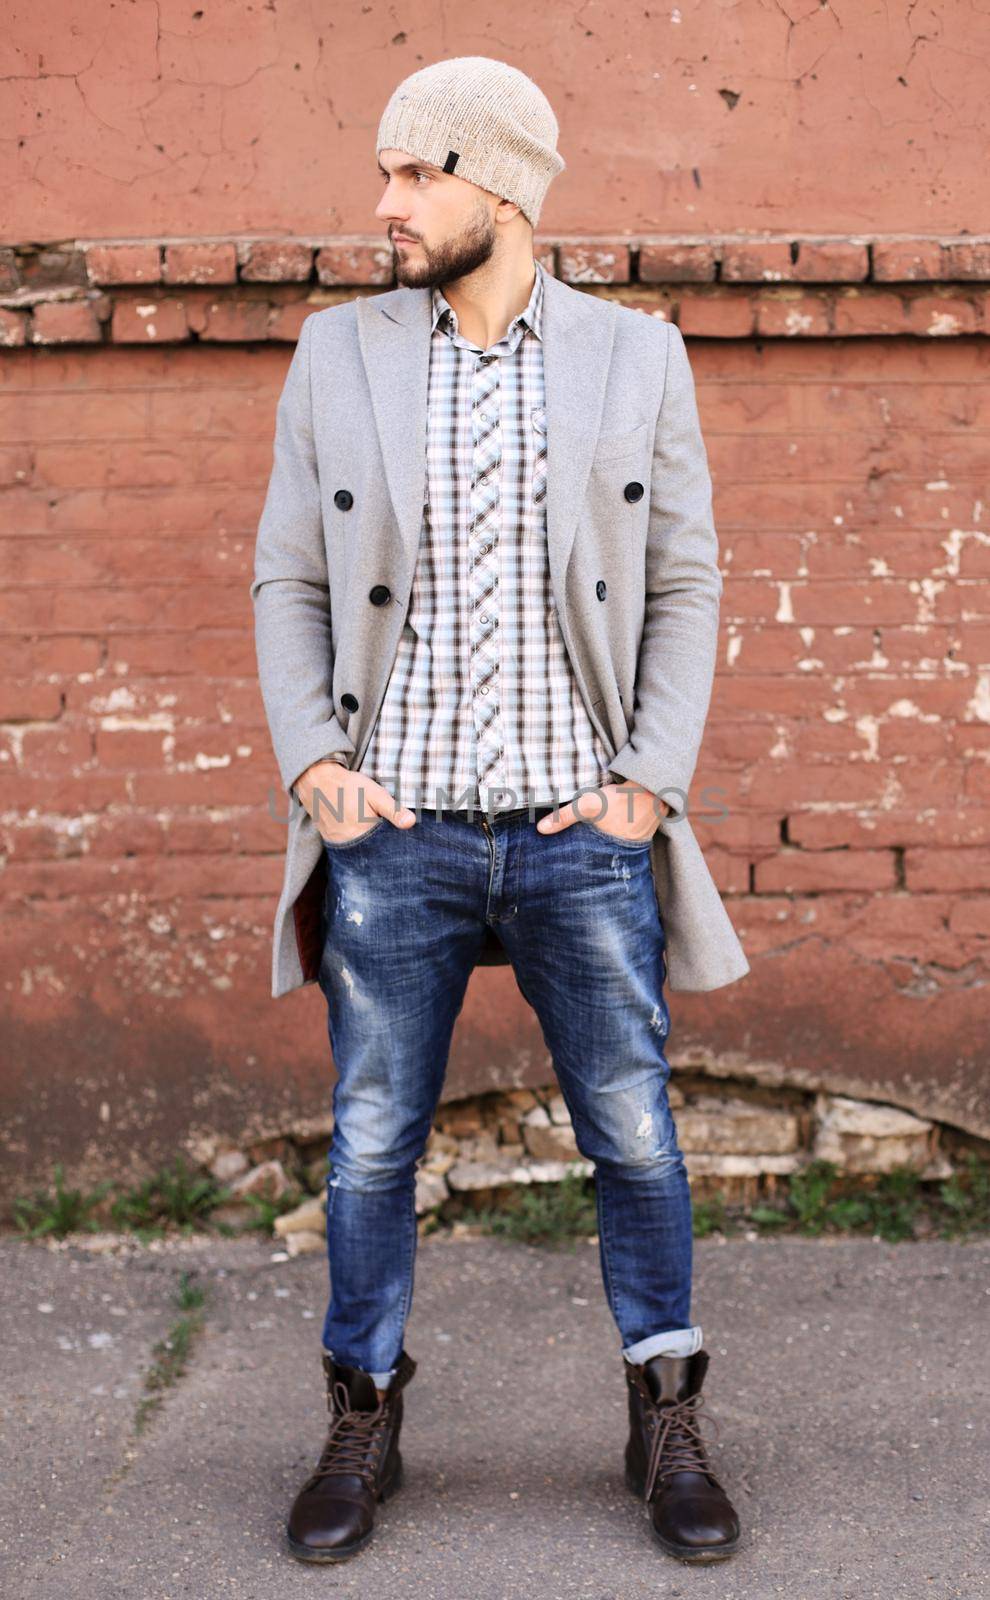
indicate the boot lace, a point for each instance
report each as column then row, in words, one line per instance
column 677, row 1441
column 354, row 1441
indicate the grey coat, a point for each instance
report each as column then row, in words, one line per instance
column 341, row 523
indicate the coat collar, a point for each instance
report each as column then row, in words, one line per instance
column 394, row 332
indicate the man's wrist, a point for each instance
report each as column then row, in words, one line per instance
column 335, row 755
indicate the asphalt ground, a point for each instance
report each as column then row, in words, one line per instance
column 849, row 1378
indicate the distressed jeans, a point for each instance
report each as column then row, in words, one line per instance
column 406, row 912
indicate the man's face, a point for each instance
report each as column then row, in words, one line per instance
column 448, row 221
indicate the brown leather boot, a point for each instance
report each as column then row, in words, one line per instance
column 691, row 1514
column 334, row 1511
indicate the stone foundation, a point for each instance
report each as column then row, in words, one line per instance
column 739, row 1140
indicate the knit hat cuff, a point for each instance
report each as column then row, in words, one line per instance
column 522, row 179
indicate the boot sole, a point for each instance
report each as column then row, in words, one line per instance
column 685, row 1552
column 343, row 1552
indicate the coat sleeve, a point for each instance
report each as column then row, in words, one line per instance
column 291, row 589
column 676, row 665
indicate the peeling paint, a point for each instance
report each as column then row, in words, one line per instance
column 954, row 546
column 784, row 612
column 907, row 708
column 978, row 705
column 868, row 728
column 928, row 591
column 147, row 724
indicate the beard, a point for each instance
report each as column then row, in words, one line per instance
column 421, row 266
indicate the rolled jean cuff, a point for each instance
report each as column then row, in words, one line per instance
column 675, row 1342
column 381, row 1380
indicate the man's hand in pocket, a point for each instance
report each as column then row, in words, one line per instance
column 345, row 804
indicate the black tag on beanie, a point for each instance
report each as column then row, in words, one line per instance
column 453, row 156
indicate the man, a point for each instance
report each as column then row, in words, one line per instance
column 486, row 595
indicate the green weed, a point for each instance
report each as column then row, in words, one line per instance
column 59, row 1211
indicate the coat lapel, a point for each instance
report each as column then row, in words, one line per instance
column 394, row 336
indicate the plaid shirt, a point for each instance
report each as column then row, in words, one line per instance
column 482, row 708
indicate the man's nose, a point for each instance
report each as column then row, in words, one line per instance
column 384, row 207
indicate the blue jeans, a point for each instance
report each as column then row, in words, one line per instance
column 406, row 911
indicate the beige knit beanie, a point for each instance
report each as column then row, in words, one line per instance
column 481, row 119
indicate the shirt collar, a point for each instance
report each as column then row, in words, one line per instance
column 532, row 315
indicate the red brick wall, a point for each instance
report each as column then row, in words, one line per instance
column 848, row 742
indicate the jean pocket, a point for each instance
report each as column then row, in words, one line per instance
column 613, row 838
column 349, row 844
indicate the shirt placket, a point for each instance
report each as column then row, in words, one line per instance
column 483, row 573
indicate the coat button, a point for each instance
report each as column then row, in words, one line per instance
column 633, row 491
column 379, row 594
column 349, row 701
column 600, row 588
column 343, row 499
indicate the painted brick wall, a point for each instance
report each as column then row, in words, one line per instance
column 843, row 794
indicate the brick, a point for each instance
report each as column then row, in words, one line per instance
column 200, row 263
column 275, row 261
column 652, row 302
column 824, row 603
column 29, row 700
column 670, row 262
column 209, row 651
column 729, row 871
column 970, row 918
column 354, row 263
column 285, row 321
column 792, row 313
column 818, row 871
column 832, row 261
column 10, row 277
column 946, row 870
column 46, row 749
column 861, row 829
column 907, row 260
column 234, row 320
column 15, row 467
column 756, row 261
column 13, row 329
column 595, row 261
column 869, row 311
column 67, row 322
column 942, row 315
column 716, row 316
column 967, row 258
column 139, row 321
column 123, row 263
